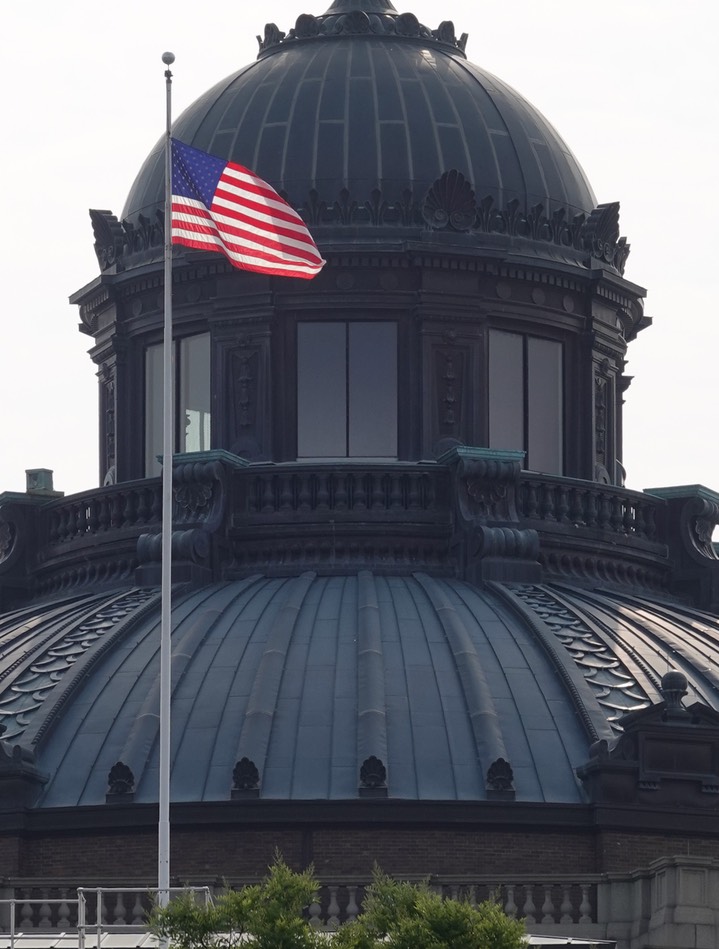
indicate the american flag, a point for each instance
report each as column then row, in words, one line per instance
column 218, row 205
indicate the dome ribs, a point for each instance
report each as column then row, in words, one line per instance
column 371, row 700
column 143, row 737
column 477, row 694
column 262, row 704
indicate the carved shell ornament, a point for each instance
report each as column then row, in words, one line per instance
column 450, row 203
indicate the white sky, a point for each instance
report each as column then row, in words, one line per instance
column 631, row 86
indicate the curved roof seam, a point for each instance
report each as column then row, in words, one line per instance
column 144, row 733
column 91, row 654
column 679, row 642
column 371, row 698
column 461, row 591
column 480, row 704
column 256, row 730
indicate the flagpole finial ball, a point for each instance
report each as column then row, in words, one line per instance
column 168, row 58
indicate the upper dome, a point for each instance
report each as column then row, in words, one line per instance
column 370, row 100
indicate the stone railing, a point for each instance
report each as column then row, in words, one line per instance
column 672, row 902
column 53, row 908
column 133, row 505
column 349, row 490
column 586, row 504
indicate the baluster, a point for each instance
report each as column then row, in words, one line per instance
column 286, row 493
column 360, row 493
column 91, row 516
column 115, row 510
column 562, row 504
column 629, row 517
column 129, row 509
column 315, row 910
column 529, row 909
column 340, row 492
column 472, row 896
column 268, row 495
column 585, row 907
column 352, row 907
column 103, row 514
column 639, row 519
column 45, row 920
column 548, row 906
column 605, row 510
column 304, row 495
column 138, row 911
column 142, row 506
column 548, row 507
column 333, row 910
column 323, row 494
column 120, row 912
column 80, row 520
column 156, row 504
column 26, row 913
column 377, row 491
column 454, row 892
column 413, row 500
column 510, row 907
column 532, row 505
column 576, row 511
column 591, row 515
column 395, row 496
column 651, row 528
column 616, row 519
column 566, row 908
column 63, row 913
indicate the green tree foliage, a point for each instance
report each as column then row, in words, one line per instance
column 408, row 916
column 270, row 914
column 396, row 915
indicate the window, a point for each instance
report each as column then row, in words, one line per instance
column 347, row 390
column 526, row 400
column 192, row 399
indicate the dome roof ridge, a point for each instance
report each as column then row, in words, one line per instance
column 361, row 18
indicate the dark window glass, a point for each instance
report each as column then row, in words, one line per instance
column 506, row 390
column 321, row 390
column 347, row 390
column 192, row 399
column 526, row 402
column 544, row 405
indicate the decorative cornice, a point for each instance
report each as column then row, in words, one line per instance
column 361, row 18
column 448, row 209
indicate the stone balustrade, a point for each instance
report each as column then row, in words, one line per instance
column 551, row 902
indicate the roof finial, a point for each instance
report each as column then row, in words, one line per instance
column 366, row 6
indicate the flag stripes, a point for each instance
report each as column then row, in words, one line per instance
column 218, row 205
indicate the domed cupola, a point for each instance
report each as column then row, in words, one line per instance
column 473, row 295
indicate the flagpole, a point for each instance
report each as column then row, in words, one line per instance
column 163, row 828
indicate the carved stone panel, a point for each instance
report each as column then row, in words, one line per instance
column 446, row 398
column 247, row 409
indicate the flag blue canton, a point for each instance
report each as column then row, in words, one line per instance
column 195, row 174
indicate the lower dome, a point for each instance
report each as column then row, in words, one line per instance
column 334, row 688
